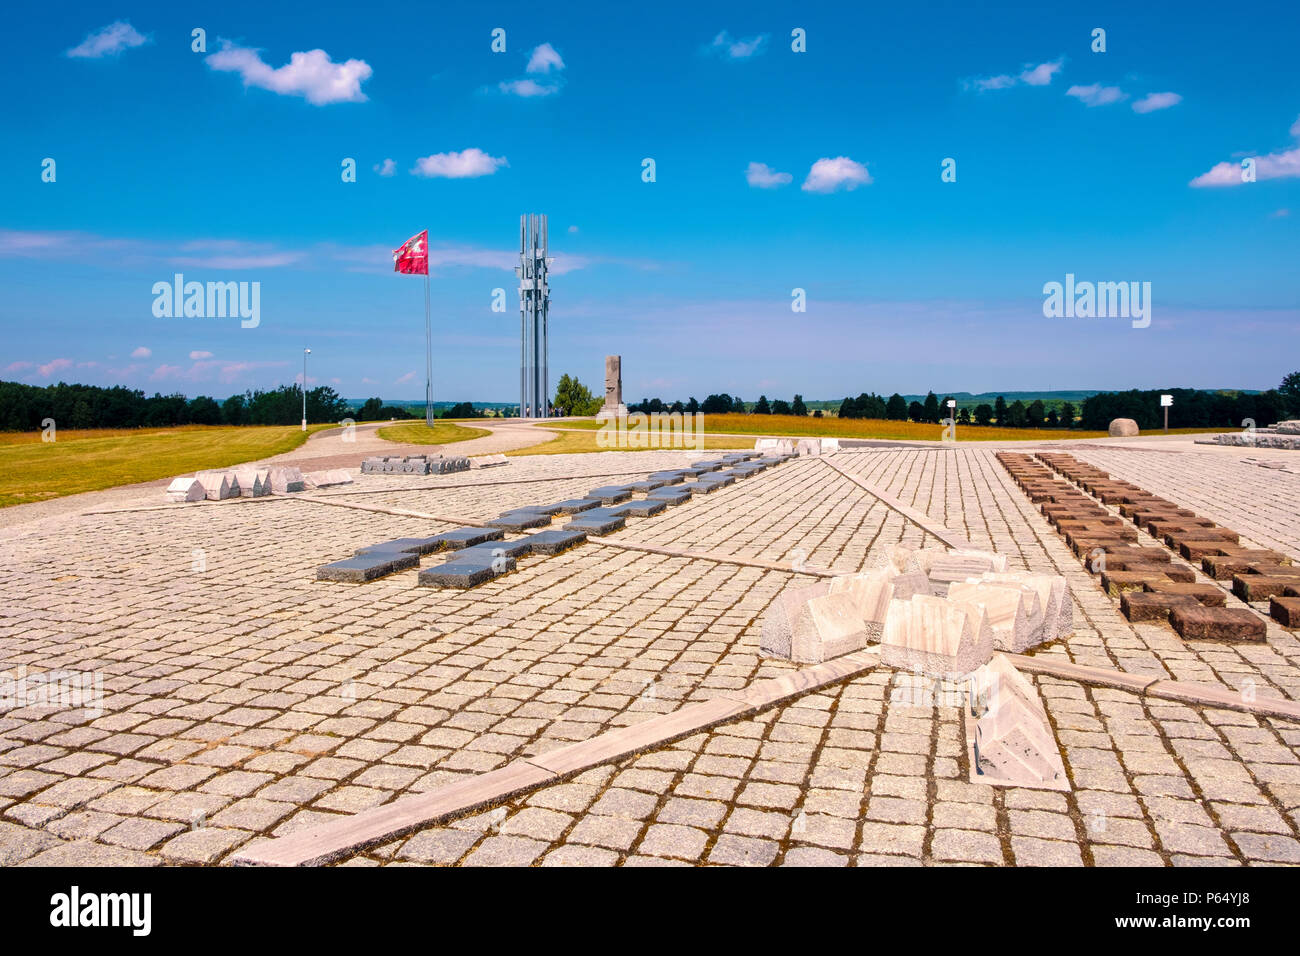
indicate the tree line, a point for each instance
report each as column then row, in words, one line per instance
column 25, row 407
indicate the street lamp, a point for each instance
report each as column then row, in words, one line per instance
column 305, row 353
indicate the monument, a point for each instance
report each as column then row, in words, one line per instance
column 613, row 407
column 534, row 305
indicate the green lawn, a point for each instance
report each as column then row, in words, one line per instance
column 33, row 470
column 442, row 433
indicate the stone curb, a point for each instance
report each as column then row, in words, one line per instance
column 950, row 538
column 337, row 839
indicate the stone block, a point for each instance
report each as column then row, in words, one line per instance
column 936, row 637
column 1053, row 597
column 491, row 550
column 1259, row 587
column 519, row 520
column 611, row 494
column 367, row 567
column 286, row 480
column 830, row 627
column 1012, row 741
column 573, row 506
column 598, row 521
column 1152, row 605
column 648, row 485
column 219, row 485
column 186, row 489
column 1285, row 610
column 462, row 574
column 407, row 545
column 641, row 509
column 252, row 482
column 1123, row 428
column 1202, row 623
column 871, row 592
column 788, row 613
column 1116, row 582
column 1014, row 611
column 672, row 496
column 556, row 540
column 1211, row 595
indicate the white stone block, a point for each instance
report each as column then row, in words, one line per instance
column 219, row 485
column 829, row 626
column 186, row 489
column 1013, row 740
column 936, row 637
column 788, row 613
column 286, row 480
column 1014, row 611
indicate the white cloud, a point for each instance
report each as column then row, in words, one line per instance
column 1280, row 165
column 1156, row 101
column 1096, row 95
column 544, row 58
column 829, row 175
column 1041, row 75
column 408, row 377
column 527, row 88
column 18, row 367
column 54, row 365
column 141, row 352
column 763, row 176
column 732, row 49
column 386, row 168
column 1279, row 214
column 311, row 75
column 573, row 230
column 197, row 355
column 466, row 164
column 1030, row 75
column 108, row 41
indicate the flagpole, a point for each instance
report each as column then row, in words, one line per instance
column 428, row 354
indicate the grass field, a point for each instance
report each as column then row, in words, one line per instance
column 795, row 426
column 442, row 433
column 33, row 470
column 576, row 442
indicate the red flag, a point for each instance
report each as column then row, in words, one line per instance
column 413, row 257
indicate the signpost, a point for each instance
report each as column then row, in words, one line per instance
column 1165, row 402
column 952, row 417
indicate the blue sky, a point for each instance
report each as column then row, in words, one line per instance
column 225, row 166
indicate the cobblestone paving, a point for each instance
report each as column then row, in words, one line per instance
column 242, row 698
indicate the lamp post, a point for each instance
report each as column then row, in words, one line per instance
column 1165, row 402
column 305, row 353
column 952, row 417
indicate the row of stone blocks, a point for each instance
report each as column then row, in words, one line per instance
column 1257, row 574
column 416, row 465
column 944, row 614
column 797, row 446
column 481, row 553
column 1148, row 584
column 252, row 483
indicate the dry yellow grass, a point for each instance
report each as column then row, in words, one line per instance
column 795, row 426
column 93, row 459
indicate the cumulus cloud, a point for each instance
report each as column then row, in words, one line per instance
column 466, row 164
column 108, row 41
column 544, row 59
column 527, row 88
column 54, row 365
column 763, row 176
column 1031, row 75
column 731, row 49
column 141, row 352
column 829, row 175
column 1284, row 164
column 311, row 75
column 1156, row 101
column 386, row 168
column 1096, row 95
column 18, row 367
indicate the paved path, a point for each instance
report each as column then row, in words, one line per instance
column 242, row 698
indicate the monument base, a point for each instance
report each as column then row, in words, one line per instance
column 612, row 411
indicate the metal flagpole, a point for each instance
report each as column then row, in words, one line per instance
column 428, row 355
